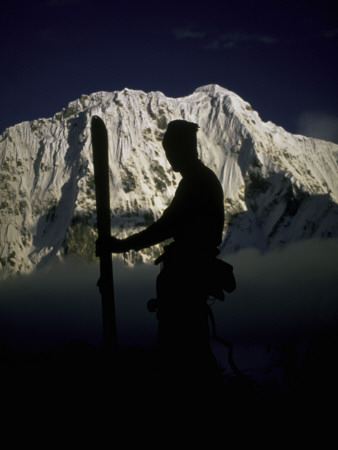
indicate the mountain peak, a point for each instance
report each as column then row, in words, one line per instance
column 213, row 89
column 278, row 187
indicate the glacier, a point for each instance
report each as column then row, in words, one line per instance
column 278, row 187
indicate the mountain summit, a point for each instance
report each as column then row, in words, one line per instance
column 278, row 187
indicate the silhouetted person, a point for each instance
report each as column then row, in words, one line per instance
column 194, row 220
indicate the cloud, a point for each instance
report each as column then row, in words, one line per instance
column 238, row 39
column 187, row 33
column 280, row 295
column 330, row 34
column 60, row 3
column 223, row 40
column 47, row 309
column 285, row 301
column 231, row 40
column 213, row 45
column 318, row 125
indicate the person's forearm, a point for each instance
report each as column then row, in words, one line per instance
column 151, row 236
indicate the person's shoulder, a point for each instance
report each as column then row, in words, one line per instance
column 210, row 182
column 207, row 173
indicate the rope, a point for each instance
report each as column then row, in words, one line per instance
column 227, row 344
column 250, row 383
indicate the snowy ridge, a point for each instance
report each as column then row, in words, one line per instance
column 278, row 187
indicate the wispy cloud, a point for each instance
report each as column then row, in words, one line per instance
column 330, row 34
column 237, row 39
column 188, row 33
column 223, row 40
column 319, row 125
column 57, row 3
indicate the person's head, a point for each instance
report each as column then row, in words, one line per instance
column 180, row 144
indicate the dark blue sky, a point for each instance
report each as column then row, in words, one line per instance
column 280, row 56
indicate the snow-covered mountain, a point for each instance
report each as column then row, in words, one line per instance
column 278, row 187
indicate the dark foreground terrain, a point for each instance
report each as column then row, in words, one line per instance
column 77, row 392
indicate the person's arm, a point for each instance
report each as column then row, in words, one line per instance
column 154, row 234
column 164, row 228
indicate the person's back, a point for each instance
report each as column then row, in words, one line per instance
column 199, row 206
